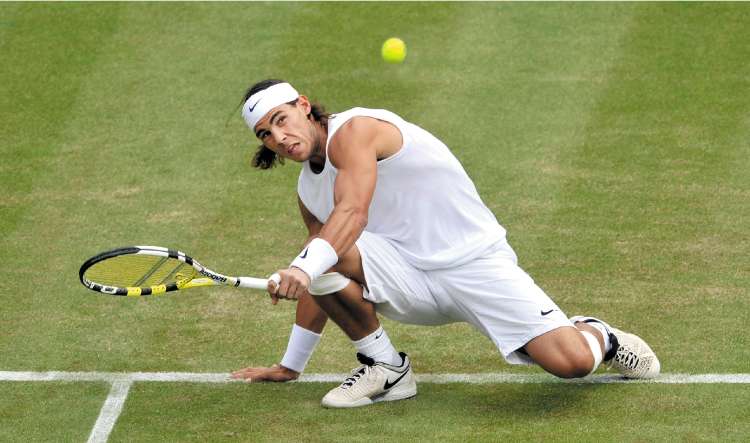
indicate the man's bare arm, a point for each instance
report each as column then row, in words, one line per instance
column 354, row 151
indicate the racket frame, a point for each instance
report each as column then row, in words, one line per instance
column 209, row 277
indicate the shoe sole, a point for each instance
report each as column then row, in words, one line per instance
column 398, row 393
column 394, row 394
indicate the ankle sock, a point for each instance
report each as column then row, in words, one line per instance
column 605, row 334
column 378, row 347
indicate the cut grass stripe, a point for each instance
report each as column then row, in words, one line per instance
column 486, row 378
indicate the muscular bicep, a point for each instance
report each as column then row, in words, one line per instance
column 354, row 152
column 355, row 181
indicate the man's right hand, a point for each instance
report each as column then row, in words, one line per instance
column 276, row 373
column 294, row 284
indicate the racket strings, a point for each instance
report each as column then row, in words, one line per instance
column 140, row 271
column 151, row 272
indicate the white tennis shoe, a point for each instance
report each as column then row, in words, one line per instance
column 373, row 382
column 630, row 355
column 633, row 357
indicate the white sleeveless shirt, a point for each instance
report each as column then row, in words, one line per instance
column 424, row 203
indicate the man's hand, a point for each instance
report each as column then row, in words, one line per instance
column 275, row 373
column 294, row 284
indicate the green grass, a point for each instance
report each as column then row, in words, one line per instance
column 610, row 139
column 453, row 412
column 49, row 411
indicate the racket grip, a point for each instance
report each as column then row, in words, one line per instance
column 258, row 283
column 275, row 278
column 252, row 283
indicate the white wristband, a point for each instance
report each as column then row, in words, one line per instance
column 317, row 258
column 328, row 284
column 301, row 345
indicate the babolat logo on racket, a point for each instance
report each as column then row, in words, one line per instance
column 213, row 276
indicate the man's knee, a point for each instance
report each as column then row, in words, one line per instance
column 350, row 265
column 575, row 364
column 563, row 353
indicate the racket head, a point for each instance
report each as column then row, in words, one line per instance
column 138, row 270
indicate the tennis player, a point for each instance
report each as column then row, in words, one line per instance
column 397, row 227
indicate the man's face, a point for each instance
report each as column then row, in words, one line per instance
column 287, row 131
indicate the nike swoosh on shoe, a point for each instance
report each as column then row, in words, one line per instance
column 388, row 384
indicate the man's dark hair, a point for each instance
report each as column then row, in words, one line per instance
column 265, row 158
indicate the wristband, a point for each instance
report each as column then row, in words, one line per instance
column 301, row 345
column 328, row 284
column 317, row 258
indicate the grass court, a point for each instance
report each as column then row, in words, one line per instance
column 611, row 140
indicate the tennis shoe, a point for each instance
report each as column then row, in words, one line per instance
column 373, row 382
column 629, row 355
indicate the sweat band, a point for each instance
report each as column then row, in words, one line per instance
column 328, row 284
column 317, row 258
column 301, row 345
column 263, row 101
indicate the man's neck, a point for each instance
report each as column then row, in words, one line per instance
column 318, row 158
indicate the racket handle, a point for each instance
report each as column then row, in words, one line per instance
column 276, row 278
column 257, row 283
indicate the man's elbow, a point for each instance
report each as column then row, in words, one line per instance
column 357, row 216
column 360, row 218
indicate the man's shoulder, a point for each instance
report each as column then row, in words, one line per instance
column 366, row 134
column 362, row 113
column 357, row 110
column 355, row 124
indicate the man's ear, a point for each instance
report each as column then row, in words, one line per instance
column 304, row 104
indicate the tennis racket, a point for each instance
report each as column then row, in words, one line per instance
column 152, row 270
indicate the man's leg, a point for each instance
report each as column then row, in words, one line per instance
column 572, row 353
column 355, row 315
column 568, row 352
column 498, row 298
column 385, row 374
column 352, row 313
column 347, row 308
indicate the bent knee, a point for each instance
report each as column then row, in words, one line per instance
column 574, row 365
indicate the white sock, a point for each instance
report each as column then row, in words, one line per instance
column 378, row 347
column 600, row 327
column 596, row 349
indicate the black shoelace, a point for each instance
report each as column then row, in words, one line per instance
column 628, row 359
column 349, row 382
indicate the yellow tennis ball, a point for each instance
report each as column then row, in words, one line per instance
column 394, row 50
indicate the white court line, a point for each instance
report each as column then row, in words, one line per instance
column 110, row 412
column 477, row 378
column 121, row 382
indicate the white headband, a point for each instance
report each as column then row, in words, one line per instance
column 263, row 101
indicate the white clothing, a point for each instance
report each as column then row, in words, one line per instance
column 424, row 203
column 491, row 293
column 432, row 252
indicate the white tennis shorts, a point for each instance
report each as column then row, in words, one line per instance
column 491, row 293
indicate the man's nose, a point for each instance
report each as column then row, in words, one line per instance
column 278, row 136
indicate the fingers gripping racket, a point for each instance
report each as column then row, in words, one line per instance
column 152, row 270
